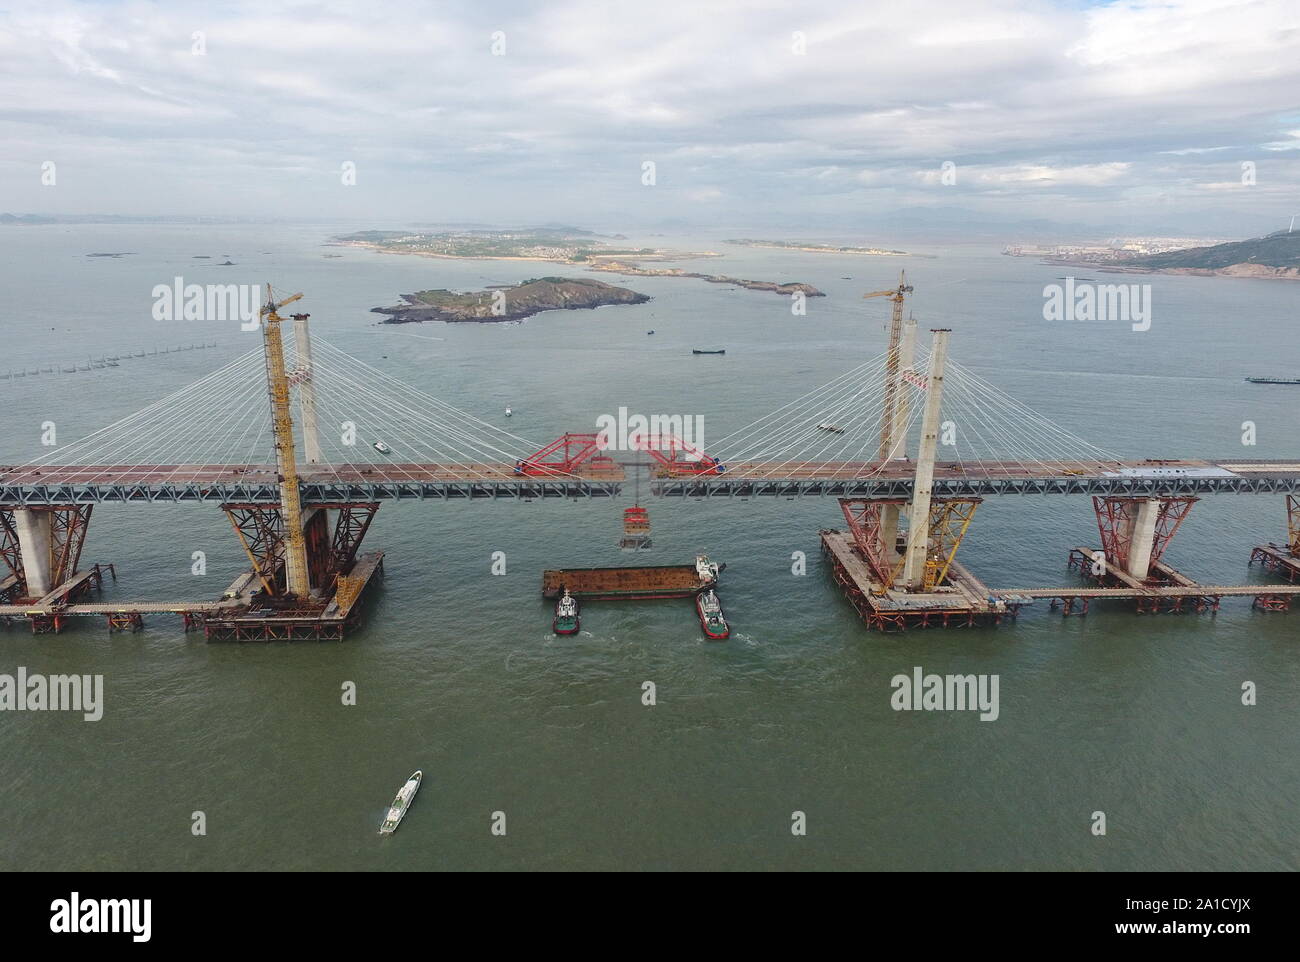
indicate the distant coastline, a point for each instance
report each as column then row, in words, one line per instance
column 812, row 248
column 635, row 270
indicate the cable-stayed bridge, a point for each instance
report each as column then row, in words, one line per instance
column 299, row 442
column 213, row 441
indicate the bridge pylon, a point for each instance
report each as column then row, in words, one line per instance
column 40, row 548
column 1136, row 531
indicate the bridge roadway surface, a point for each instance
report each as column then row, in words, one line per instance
column 257, row 483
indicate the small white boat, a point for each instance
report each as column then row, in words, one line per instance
column 401, row 804
column 383, row 448
column 706, row 570
column 507, row 412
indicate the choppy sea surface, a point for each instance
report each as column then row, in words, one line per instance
column 458, row 674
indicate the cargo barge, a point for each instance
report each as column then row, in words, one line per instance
column 632, row 584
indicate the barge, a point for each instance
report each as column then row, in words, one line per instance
column 632, row 584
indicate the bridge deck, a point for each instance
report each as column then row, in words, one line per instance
column 71, row 484
column 981, row 478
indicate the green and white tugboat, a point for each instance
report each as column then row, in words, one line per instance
column 401, row 804
column 566, row 620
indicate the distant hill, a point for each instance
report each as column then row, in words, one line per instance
column 1275, row 255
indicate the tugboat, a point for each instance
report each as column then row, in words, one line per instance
column 401, row 804
column 566, row 615
column 711, row 619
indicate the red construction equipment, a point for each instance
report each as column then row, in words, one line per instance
column 561, row 456
column 675, row 454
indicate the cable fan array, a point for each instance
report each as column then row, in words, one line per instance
column 367, row 418
column 834, row 431
column 223, row 420
column 836, row 426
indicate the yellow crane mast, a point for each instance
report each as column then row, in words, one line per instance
column 887, row 417
column 297, row 579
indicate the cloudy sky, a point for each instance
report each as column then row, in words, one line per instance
column 1134, row 115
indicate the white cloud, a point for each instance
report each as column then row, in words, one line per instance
column 1031, row 102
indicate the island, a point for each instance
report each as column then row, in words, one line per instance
column 816, row 248
column 508, row 303
column 1275, row 255
column 636, row 270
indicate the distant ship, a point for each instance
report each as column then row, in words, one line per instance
column 698, row 351
column 1274, row 380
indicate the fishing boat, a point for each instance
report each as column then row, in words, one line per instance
column 401, row 804
column 711, row 619
column 1274, row 380
column 566, row 620
column 833, row 428
column 698, row 351
column 508, row 412
column 383, row 448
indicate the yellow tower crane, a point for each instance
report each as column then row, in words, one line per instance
column 297, row 579
column 887, row 417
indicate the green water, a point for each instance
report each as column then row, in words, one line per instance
column 457, row 672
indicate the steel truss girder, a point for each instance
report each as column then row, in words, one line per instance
column 732, row 487
column 68, row 528
column 260, row 529
column 948, row 521
column 269, row 494
column 864, row 520
column 350, row 526
column 11, row 552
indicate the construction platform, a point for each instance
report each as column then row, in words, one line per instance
column 962, row 601
column 1278, row 559
column 626, row 584
column 1166, row 589
column 270, row 619
column 243, row 613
